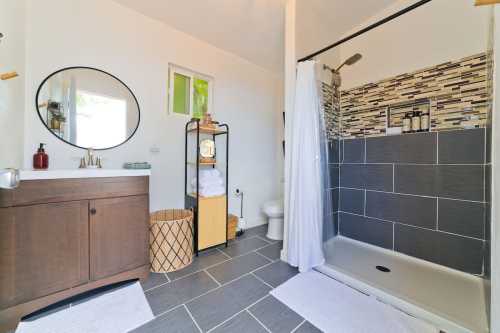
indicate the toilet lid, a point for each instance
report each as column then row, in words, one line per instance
column 275, row 206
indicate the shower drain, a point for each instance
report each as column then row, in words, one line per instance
column 383, row 269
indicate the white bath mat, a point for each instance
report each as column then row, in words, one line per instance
column 117, row 311
column 334, row 307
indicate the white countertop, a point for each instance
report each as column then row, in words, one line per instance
column 81, row 173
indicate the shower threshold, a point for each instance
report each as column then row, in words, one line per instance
column 451, row 300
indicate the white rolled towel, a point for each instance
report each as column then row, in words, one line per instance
column 208, row 174
column 208, row 182
column 212, row 191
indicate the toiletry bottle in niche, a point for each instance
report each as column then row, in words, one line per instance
column 41, row 159
column 407, row 123
column 424, row 121
column 415, row 121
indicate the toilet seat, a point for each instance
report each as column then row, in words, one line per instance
column 274, row 208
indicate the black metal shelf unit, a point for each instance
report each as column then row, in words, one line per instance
column 191, row 201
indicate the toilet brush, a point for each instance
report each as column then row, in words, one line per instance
column 241, row 222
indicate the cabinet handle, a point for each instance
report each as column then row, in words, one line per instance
column 93, row 211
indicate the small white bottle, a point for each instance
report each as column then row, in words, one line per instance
column 407, row 123
column 424, row 122
column 415, row 122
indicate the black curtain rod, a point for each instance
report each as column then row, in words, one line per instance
column 368, row 28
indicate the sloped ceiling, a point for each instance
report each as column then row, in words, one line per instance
column 323, row 22
column 251, row 29
column 254, row 29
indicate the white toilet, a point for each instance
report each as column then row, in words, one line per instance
column 274, row 211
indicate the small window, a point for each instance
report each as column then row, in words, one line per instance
column 190, row 93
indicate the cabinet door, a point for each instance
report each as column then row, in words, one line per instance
column 43, row 249
column 119, row 235
column 211, row 222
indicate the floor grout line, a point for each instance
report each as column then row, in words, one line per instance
column 219, row 287
column 157, row 286
column 263, row 256
column 168, row 311
column 192, row 318
column 296, row 328
column 224, row 253
column 257, row 319
column 258, row 278
column 168, row 279
column 249, row 273
column 210, row 275
column 265, row 239
column 211, row 266
column 237, row 313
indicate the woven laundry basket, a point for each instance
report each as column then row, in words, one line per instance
column 170, row 240
column 232, row 226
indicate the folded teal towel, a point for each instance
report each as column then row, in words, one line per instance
column 137, row 165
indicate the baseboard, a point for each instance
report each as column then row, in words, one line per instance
column 255, row 223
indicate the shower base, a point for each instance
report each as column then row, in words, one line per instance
column 451, row 300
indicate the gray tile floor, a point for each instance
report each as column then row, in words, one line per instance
column 225, row 290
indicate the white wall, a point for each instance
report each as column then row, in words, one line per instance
column 137, row 50
column 436, row 32
column 12, row 50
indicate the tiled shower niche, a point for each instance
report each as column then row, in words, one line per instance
column 456, row 92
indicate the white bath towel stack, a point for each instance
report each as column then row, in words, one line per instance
column 211, row 183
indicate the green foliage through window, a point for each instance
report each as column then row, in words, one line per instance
column 200, row 98
column 181, row 94
column 190, row 93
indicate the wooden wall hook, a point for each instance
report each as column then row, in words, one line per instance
column 486, row 2
column 8, row 76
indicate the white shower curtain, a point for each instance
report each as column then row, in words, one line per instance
column 304, row 187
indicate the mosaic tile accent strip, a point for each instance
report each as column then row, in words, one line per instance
column 331, row 111
column 457, row 91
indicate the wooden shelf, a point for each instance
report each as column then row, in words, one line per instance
column 203, row 164
column 193, row 195
column 207, row 130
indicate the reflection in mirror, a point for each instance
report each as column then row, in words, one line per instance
column 88, row 108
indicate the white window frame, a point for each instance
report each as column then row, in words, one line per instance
column 172, row 69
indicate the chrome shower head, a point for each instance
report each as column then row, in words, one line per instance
column 350, row 61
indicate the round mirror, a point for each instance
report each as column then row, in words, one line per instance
column 88, row 108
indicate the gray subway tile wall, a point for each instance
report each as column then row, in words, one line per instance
column 352, row 201
column 462, row 147
column 420, row 194
column 353, row 151
column 377, row 177
column 367, row 230
column 330, row 221
column 411, row 148
column 462, row 217
column 334, row 175
column 462, row 253
column 407, row 209
column 465, row 182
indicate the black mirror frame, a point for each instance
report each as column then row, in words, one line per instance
column 99, row 70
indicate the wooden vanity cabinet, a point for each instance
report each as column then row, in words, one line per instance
column 43, row 249
column 119, row 235
column 62, row 237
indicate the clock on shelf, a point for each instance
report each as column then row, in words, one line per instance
column 207, row 151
